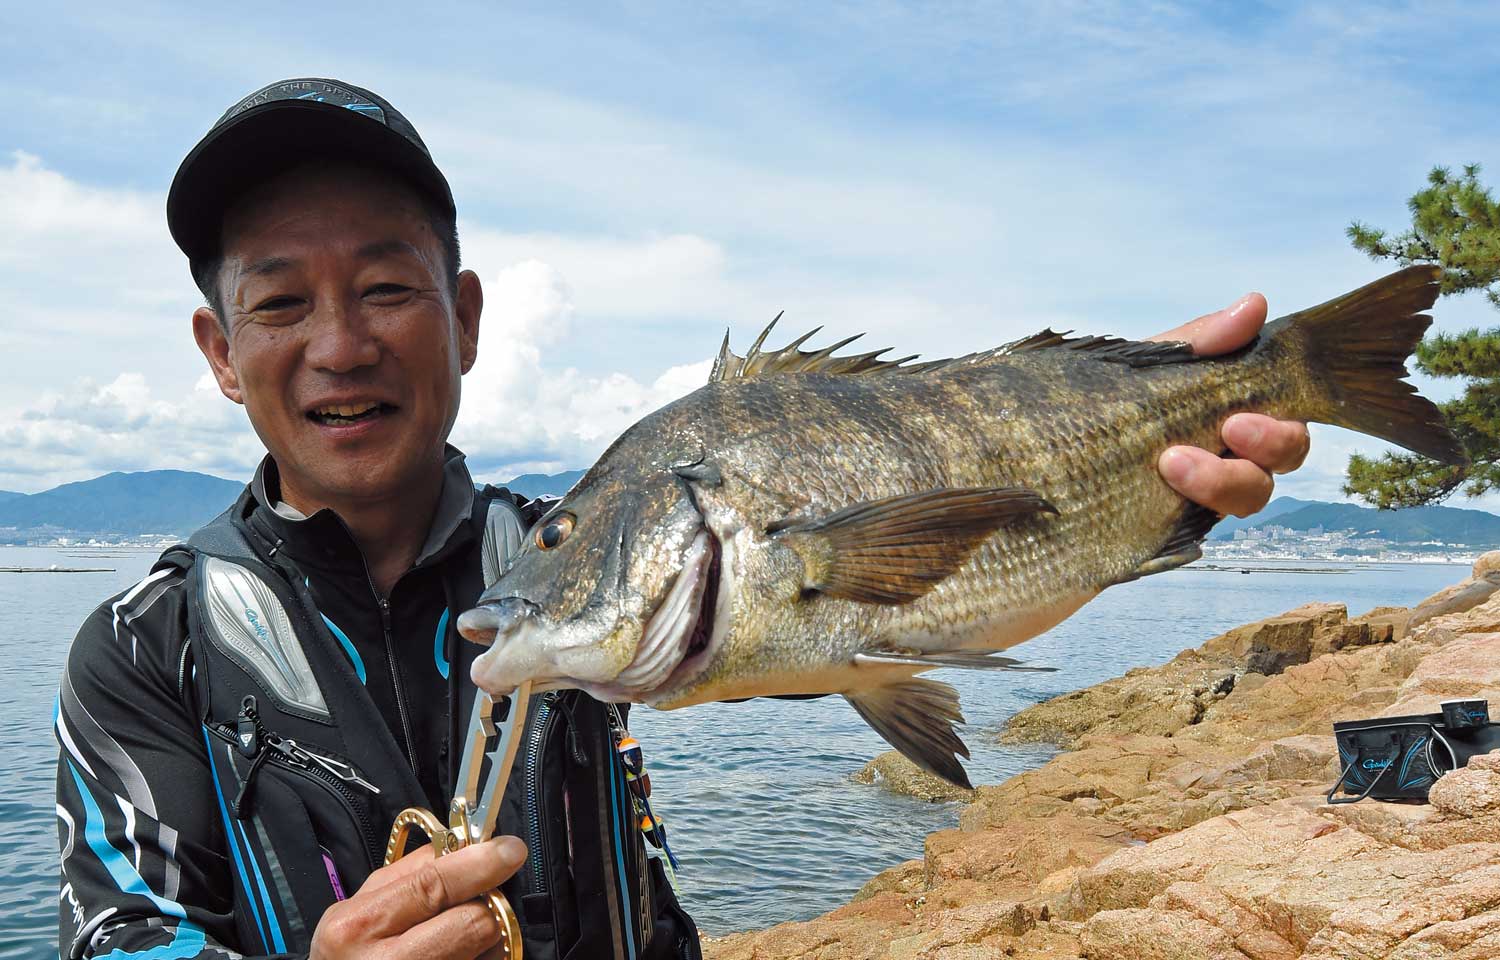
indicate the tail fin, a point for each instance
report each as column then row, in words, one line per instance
column 1356, row 348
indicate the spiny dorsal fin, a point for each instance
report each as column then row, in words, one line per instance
column 1136, row 353
column 791, row 359
column 757, row 362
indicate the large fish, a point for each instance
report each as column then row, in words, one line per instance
column 807, row 523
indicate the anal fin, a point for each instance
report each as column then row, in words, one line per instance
column 1183, row 545
column 918, row 717
column 960, row 659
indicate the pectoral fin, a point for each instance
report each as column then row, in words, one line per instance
column 895, row 550
column 917, row 717
column 1183, row 545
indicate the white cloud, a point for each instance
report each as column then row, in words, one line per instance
column 90, row 277
column 521, row 412
column 122, row 424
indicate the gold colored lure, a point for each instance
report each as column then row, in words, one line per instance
column 806, row 523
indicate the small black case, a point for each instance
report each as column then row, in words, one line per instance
column 1400, row 758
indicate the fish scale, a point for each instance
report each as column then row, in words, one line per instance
column 872, row 519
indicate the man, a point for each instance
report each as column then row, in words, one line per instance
column 238, row 730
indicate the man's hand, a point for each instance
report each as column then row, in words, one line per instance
column 422, row 907
column 1264, row 445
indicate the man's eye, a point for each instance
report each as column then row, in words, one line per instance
column 387, row 291
column 276, row 303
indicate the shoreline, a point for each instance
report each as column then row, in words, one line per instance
column 1184, row 816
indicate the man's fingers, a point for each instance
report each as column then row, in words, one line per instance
column 462, row 933
column 441, row 883
column 1223, row 330
column 408, row 864
column 1236, row 487
column 1279, row 446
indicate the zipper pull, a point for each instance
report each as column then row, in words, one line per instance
column 242, row 799
column 344, row 771
column 247, row 728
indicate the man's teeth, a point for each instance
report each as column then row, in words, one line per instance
column 345, row 411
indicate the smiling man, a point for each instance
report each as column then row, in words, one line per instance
column 239, row 730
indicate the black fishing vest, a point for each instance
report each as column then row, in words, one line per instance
column 309, row 778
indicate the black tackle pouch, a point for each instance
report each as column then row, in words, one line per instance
column 1400, row 758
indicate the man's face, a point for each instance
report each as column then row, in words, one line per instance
column 344, row 342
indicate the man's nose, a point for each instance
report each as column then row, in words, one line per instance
column 341, row 339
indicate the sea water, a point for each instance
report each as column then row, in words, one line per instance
column 757, row 796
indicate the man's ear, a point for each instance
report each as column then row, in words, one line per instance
column 467, row 310
column 214, row 343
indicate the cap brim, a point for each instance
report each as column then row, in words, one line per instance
column 268, row 140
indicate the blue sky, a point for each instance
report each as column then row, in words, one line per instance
column 634, row 179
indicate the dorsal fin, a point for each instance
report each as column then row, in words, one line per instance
column 791, row 359
column 1136, row 353
column 756, row 362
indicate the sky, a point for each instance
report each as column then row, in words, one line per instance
column 633, row 179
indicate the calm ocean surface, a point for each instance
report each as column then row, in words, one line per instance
column 756, row 795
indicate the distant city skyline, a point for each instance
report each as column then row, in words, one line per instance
column 632, row 181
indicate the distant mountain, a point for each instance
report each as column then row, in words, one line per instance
column 170, row 502
column 1477, row 528
column 1226, row 527
column 543, row 484
column 174, row 502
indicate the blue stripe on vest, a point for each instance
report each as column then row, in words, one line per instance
column 277, row 940
column 187, row 941
column 343, row 639
column 121, row 870
column 234, row 847
column 438, row 644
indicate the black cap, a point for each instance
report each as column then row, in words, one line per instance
column 281, row 126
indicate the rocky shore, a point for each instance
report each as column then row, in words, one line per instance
column 1185, row 818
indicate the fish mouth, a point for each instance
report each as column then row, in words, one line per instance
column 677, row 640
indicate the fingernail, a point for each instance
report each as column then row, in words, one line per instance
column 511, row 849
column 1240, row 304
column 1176, row 466
column 1247, row 431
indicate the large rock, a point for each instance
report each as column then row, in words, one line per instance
column 1012, row 858
column 1271, row 645
column 1308, row 880
column 1470, row 791
column 1458, row 601
column 1156, row 935
column 1156, row 701
column 1466, row 666
column 1486, row 564
column 898, row 775
column 1196, row 790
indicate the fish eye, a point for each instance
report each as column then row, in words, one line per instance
column 553, row 532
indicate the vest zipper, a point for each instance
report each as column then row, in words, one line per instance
column 290, row 755
column 390, row 658
column 535, row 740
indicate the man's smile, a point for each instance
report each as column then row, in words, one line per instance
column 350, row 413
